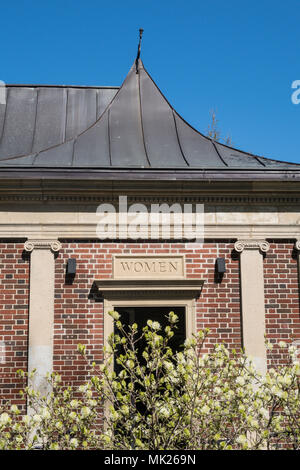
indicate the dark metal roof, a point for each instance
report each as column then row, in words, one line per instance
column 41, row 116
column 134, row 128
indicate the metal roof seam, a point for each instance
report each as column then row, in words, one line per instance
column 259, row 160
column 179, row 143
column 141, row 118
column 109, row 135
column 218, row 153
column 35, row 120
column 66, row 116
column 4, row 117
column 73, row 151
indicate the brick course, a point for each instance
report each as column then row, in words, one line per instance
column 281, row 297
column 14, row 300
column 78, row 317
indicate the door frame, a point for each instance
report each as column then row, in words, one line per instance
column 113, row 304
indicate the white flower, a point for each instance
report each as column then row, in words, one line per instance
column 276, row 391
column 26, row 420
column 72, row 415
column 92, row 402
column 14, row 409
column 240, row 381
column 130, row 364
column 45, row 413
column 286, row 380
column 164, row 411
column 188, row 342
column 219, row 362
column 115, row 315
column 173, row 317
column 264, row 413
column 253, row 422
column 205, row 410
column 292, row 350
column 282, row 344
column 4, row 419
column 74, row 403
column 230, row 394
column 37, row 418
column 156, row 339
column 168, row 365
column 242, row 439
column 156, row 325
column 74, row 443
column 85, row 411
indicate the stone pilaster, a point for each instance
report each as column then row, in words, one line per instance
column 253, row 299
column 41, row 308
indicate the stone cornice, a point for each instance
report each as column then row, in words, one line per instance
column 117, row 288
column 87, row 231
column 152, row 199
column 53, row 245
column 241, row 245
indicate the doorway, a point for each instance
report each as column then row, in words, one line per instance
column 140, row 316
column 131, row 311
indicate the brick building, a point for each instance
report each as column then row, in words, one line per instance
column 65, row 150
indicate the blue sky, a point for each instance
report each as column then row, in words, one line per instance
column 238, row 57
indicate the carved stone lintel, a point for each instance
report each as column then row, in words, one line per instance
column 53, row 245
column 241, row 245
column 297, row 245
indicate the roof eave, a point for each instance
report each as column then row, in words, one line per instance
column 165, row 174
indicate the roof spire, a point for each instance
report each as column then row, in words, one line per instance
column 139, row 51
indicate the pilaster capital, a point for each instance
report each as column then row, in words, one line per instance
column 250, row 244
column 53, row 245
column 297, row 245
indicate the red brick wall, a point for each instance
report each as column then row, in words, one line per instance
column 14, row 299
column 79, row 319
column 281, row 297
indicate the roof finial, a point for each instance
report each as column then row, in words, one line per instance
column 139, row 51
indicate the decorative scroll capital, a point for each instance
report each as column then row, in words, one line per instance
column 241, row 245
column 53, row 245
column 297, row 245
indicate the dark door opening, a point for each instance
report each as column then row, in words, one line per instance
column 141, row 315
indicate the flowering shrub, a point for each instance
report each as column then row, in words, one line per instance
column 59, row 420
column 156, row 399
